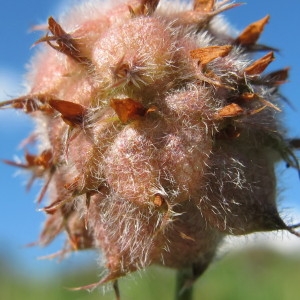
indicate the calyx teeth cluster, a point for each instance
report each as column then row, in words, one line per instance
column 157, row 131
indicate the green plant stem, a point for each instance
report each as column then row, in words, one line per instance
column 184, row 284
column 116, row 289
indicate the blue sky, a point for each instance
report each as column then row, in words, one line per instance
column 20, row 222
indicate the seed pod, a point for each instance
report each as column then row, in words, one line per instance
column 158, row 134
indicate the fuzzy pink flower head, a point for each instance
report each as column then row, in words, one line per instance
column 158, row 133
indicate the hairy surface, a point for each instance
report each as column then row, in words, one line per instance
column 158, row 133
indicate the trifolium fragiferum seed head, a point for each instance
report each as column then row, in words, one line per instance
column 157, row 132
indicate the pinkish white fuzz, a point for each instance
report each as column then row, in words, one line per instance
column 157, row 132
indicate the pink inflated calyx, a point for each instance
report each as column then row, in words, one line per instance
column 158, row 132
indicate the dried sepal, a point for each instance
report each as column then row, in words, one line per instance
column 37, row 169
column 47, row 181
column 230, row 111
column 276, row 77
column 65, row 43
column 92, row 286
column 52, row 227
column 248, row 97
column 275, row 141
column 229, row 132
column 128, row 109
column 201, row 18
column 160, row 203
column 234, row 110
column 16, row 164
column 54, row 206
column 252, row 32
column 251, row 97
column 269, row 104
column 212, row 79
column 119, row 182
column 72, row 113
column 257, row 110
column 158, row 200
column 204, row 5
column 121, row 70
column 121, row 73
column 186, row 237
column 260, row 65
column 43, row 161
column 207, row 54
column 41, row 165
column 223, row 6
column 29, row 103
column 73, row 186
column 110, row 277
column 149, row 6
column 146, row 8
